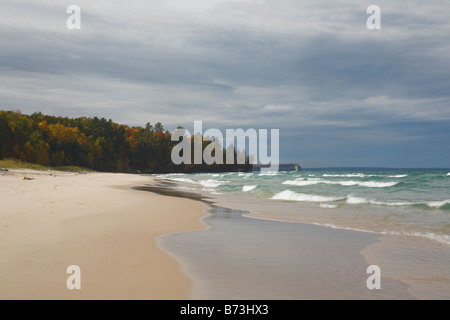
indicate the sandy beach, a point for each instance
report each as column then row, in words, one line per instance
column 127, row 233
column 97, row 222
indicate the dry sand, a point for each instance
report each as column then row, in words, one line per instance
column 94, row 221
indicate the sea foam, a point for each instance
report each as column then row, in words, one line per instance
column 245, row 175
column 438, row 204
column 369, row 184
column 269, row 173
column 328, row 206
column 429, row 235
column 359, row 200
column 361, row 175
column 289, row 195
column 248, row 188
column 351, row 175
column 211, row 183
column 301, row 182
column 183, row 180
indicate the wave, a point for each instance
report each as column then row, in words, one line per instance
column 361, row 175
column 429, row 235
column 169, row 175
column 183, row 180
column 432, row 204
column 269, row 173
column 248, row 188
column 438, row 204
column 351, row 175
column 300, row 182
column 328, row 206
column 359, row 200
column 293, row 196
column 211, row 183
column 245, row 175
column 448, row 174
column 369, row 184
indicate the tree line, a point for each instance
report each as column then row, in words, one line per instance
column 95, row 143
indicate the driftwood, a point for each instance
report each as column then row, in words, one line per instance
column 27, row 179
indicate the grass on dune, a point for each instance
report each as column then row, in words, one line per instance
column 18, row 164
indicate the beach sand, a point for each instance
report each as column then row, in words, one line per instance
column 97, row 222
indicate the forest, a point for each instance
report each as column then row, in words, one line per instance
column 95, row 143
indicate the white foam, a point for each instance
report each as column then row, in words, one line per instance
column 361, row 175
column 293, row 196
column 169, row 175
column 356, row 200
column 429, row 235
column 248, row 188
column 328, row 206
column 359, row 200
column 182, row 180
column 300, row 182
column 436, row 237
column 438, row 204
column 369, row 184
column 211, row 183
column 448, row 174
column 269, row 173
column 351, row 175
column 245, row 175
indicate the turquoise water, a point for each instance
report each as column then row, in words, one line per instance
column 388, row 201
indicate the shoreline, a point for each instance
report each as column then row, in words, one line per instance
column 148, row 245
column 233, row 275
column 96, row 221
column 419, row 265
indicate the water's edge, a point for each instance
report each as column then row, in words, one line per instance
column 212, row 277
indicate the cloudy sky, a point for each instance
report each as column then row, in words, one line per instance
column 340, row 94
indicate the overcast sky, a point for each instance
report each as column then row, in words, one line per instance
column 340, row 94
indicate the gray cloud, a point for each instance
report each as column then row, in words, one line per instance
column 310, row 68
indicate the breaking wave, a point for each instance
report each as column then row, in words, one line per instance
column 361, row 175
column 438, row 204
column 289, row 195
column 211, row 183
column 183, row 180
column 359, row 200
column 351, row 175
column 328, row 206
column 432, row 204
column 369, row 184
column 248, row 188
